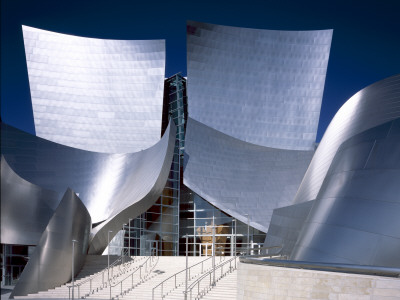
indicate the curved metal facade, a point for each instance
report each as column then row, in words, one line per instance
column 262, row 86
column 241, row 178
column 95, row 94
column 25, row 208
column 255, row 98
column 106, row 183
column 370, row 107
column 140, row 190
column 285, row 227
column 51, row 263
column 355, row 218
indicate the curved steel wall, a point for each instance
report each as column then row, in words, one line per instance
column 355, row 218
column 241, row 178
column 140, row 190
column 372, row 106
column 95, row 94
column 25, row 208
column 261, row 86
column 51, row 263
column 106, row 183
column 285, row 227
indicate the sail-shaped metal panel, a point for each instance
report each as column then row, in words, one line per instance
column 25, row 208
column 51, row 262
column 355, row 218
column 95, row 94
column 106, row 183
column 261, row 86
column 241, row 178
column 370, row 107
column 254, row 103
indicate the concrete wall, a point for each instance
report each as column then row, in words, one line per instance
column 266, row 282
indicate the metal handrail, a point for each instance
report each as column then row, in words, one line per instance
column 122, row 292
column 119, row 259
column 174, row 275
column 103, row 282
column 211, row 282
column 243, row 250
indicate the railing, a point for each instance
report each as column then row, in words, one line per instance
column 204, row 286
column 149, row 265
column 258, row 251
column 161, row 284
column 109, row 271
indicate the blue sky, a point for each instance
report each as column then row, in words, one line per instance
column 365, row 45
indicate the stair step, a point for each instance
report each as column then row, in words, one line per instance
column 143, row 288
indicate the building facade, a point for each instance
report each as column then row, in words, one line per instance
column 99, row 107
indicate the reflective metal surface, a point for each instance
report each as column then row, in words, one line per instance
column 262, row 86
column 370, row 107
column 285, row 227
column 241, row 178
column 251, row 136
column 25, row 208
column 107, row 183
column 140, row 190
column 95, row 94
column 356, row 216
column 51, row 263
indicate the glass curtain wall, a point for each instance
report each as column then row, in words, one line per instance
column 180, row 211
column 159, row 226
column 13, row 261
column 197, row 217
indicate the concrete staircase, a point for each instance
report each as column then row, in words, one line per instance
column 95, row 268
column 226, row 288
column 133, row 285
column 172, row 291
column 138, row 284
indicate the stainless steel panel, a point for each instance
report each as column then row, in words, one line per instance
column 95, row 94
column 25, row 208
column 355, row 218
column 370, row 107
column 108, row 184
column 51, row 262
column 241, row 178
column 140, row 190
column 285, row 227
column 262, row 86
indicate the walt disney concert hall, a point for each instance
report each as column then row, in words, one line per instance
column 128, row 162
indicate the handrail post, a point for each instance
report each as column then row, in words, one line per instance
column 162, row 290
column 187, row 253
column 213, row 249
column 73, row 265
